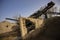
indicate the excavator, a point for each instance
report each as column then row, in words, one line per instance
column 35, row 15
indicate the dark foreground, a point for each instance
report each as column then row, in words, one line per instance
column 49, row 31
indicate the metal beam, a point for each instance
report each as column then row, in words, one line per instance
column 39, row 13
column 12, row 19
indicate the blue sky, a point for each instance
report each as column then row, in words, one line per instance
column 11, row 8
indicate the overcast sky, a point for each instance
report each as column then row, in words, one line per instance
column 11, row 8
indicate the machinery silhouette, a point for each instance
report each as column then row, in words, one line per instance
column 29, row 24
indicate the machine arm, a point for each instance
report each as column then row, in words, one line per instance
column 39, row 13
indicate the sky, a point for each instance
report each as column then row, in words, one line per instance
column 12, row 8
